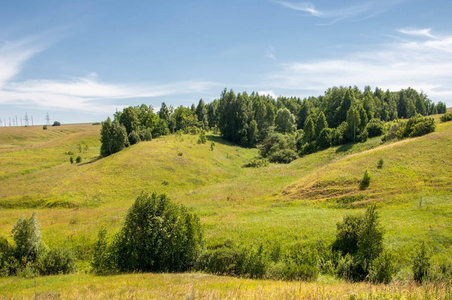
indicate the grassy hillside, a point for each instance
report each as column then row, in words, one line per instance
column 279, row 203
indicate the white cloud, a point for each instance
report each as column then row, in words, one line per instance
column 419, row 32
column 14, row 54
column 268, row 93
column 303, row 6
column 86, row 94
column 362, row 9
column 423, row 65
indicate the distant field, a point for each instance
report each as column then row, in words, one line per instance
column 300, row 201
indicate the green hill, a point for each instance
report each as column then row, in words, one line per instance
column 279, row 203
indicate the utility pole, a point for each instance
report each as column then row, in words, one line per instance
column 47, row 119
column 26, row 120
column 17, row 124
column 32, row 121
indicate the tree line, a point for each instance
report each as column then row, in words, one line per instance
column 341, row 115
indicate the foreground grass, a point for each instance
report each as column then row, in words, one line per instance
column 200, row 286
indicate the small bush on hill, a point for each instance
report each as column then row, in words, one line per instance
column 375, row 128
column 365, row 182
column 284, row 156
column 133, row 137
column 202, row 137
column 257, row 163
column 383, row 268
column 56, row 123
column 421, row 264
column 418, row 126
column 78, row 159
column 360, row 239
column 380, row 163
column 44, row 127
column 56, row 261
column 446, row 117
column 30, row 254
column 157, row 236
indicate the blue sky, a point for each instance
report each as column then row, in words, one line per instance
column 81, row 60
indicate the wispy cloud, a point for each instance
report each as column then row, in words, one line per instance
column 360, row 10
column 303, row 6
column 418, row 32
column 422, row 64
column 14, row 54
column 270, row 53
column 87, row 94
column 90, row 95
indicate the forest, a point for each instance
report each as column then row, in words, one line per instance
column 283, row 128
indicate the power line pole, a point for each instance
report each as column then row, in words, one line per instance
column 26, row 120
column 47, row 119
column 32, row 121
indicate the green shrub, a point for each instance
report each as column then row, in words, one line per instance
column 133, row 137
column 71, row 159
column 27, row 237
column 446, row 117
column 102, row 258
column 422, row 128
column 383, row 269
column 157, row 236
column 257, row 163
column 145, row 134
column 56, row 123
column 8, row 264
column 325, row 138
column 78, row 159
column 365, row 182
column 360, row 239
column 375, row 127
column 44, row 127
column 380, row 163
column 56, row 261
column 202, row 138
column 284, row 156
column 421, row 264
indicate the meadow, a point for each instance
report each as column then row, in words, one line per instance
column 301, row 201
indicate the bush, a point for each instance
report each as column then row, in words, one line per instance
column 383, row 268
column 309, row 148
column 8, row 263
column 202, row 138
column 27, row 237
column 275, row 143
column 56, row 261
column 44, row 127
column 78, row 159
column 421, row 264
column 157, row 236
column 102, row 259
column 257, row 163
column 365, row 181
column 284, row 156
column 380, row 163
column 325, row 138
column 362, row 137
column 71, row 159
column 418, row 126
column 133, row 137
column 446, row 117
column 375, row 127
column 360, row 238
column 424, row 127
column 56, row 123
column 146, row 134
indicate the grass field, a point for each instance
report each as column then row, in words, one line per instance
column 301, row 201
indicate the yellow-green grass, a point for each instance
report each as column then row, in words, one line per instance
column 280, row 203
column 202, row 286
